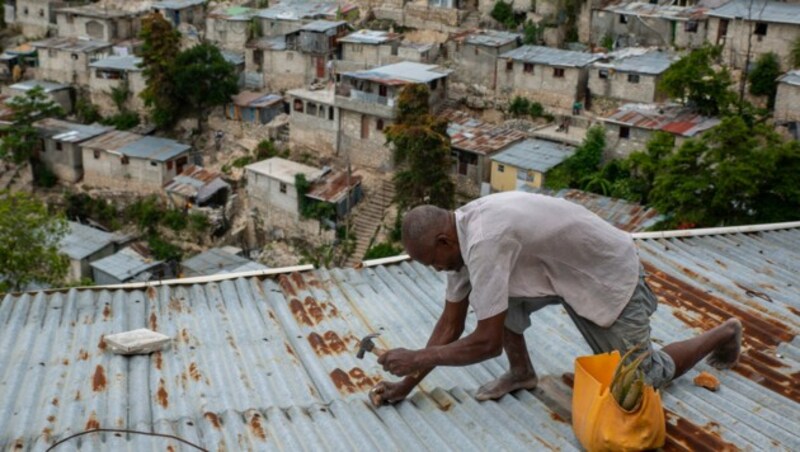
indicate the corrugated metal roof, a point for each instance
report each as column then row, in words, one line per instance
column 197, row 182
column 234, row 58
column 625, row 215
column 82, row 241
column 112, row 141
column 125, row 264
column 48, row 87
column 256, row 99
column 284, row 170
column 265, row 364
column 122, row 63
column 71, row 44
column 333, row 186
column 759, row 10
column 663, row 11
column 491, row 38
column 234, row 13
column 551, row 56
column 322, row 25
column 68, row 132
column 791, row 77
column 297, row 10
column 534, row 154
column 268, row 43
column 177, row 4
column 370, row 37
column 405, row 71
column 672, row 118
column 215, row 261
column 154, row 148
column 473, row 135
column 651, row 62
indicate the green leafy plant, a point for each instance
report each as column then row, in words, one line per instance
column 763, row 77
column 383, row 249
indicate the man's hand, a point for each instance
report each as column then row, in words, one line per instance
column 389, row 392
column 400, row 362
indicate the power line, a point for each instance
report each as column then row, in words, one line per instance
column 115, row 430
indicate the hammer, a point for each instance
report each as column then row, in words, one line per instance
column 366, row 345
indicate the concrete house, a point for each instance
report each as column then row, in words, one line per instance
column 230, row 27
column 320, row 41
column 179, row 12
column 126, row 265
column 36, row 17
column 643, row 24
column 440, row 15
column 630, row 127
column 630, row 75
column 769, row 26
column 332, row 188
column 787, row 101
column 58, row 93
column 104, row 21
column 553, row 77
column 116, row 72
column 60, row 148
column 216, row 261
column 132, row 162
column 197, row 186
column 475, row 55
column 314, row 121
column 367, row 104
column 473, row 143
column 67, row 60
column 287, row 17
column 366, row 49
column 254, row 107
column 83, row 245
column 524, row 164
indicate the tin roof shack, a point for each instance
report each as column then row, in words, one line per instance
column 217, row 261
column 320, row 41
column 366, row 49
column 83, row 245
column 314, row 121
column 768, row 26
column 367, row 103
column 197, row 186
column 524, row 164
column 440, row 15
column 58, row 93
column 36, row 17
column 230, row 27
column 630, row 127
column 126, row 265
column 106, row 20
column 787, row 101
column 131, row 162
column 332, row 189
column 555, row 78
column 23, row 55
column 472, row 143
column 475, row 55
column 179, row 12
column 60, row 149
column 254, row 107
column 290, row 16
column 116, row 72
column 641, row 24
column 67, row 60
column 630, row 75
column 272, row 191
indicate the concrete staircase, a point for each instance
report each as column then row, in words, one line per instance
column 368, row 218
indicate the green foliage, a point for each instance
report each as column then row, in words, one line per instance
column 203, row 79
column 29, row 242
column 266, row 149
column 198, row 222
column 119, row 95
column 310, row 208
column 42, row 176
column 607, row 42
column 421, row 152
column 21, row 139
column 693, row 79
column 160, row 48
column 794, row 54
column 82, row 207
column 162, row 249
column 241, row 162
column 579, row 170
column 146, row 213
column 645, row 165
column 86, row 111
column 175, row 220
column 503, row 13
column 521, row 107
column 124, row 120
column 383, row 249
column 734, row 174
column 531, row 34
column 763, row 77
column 396, row 234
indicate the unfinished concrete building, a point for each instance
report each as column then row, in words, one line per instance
column 66, row 60
column 630, row 75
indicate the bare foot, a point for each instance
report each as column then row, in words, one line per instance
column 727, row 354
column 505, row 384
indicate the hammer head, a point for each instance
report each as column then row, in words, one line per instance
column 366, row 345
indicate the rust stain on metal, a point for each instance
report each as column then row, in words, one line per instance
column 19, row 444
column 78, row 395
column 311, row 390
column 213, row 418
column 313, row 309
column 174, row 304
column 334, row 342
column 194, row 372
column 98, row 380
column 556, row 417
column 54, row 401
column 83, row 355
column 256, row 427
column 342, row 381
column 761, row 337
column 159, row 360
column 299, row 313
column 684, row 435
column 318, row 344
column 328, row 344
column 151, row 293
column 568, row 379
column 101, row 344
column 51, row 418
column 271, row 314
column 185, row 335
column 289, row 349
column 92, row 423
column 361, row 379
column 286, row 285
column 161, row 395
column 65, row 362
column 153, row 321
column 298, row 281
column 170, row 448
column 106, row 311
column 793, row 310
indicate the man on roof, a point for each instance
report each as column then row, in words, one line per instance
column 508, row 255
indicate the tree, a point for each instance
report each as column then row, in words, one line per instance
column 29, row 243
column 644, row 166
column 203, row 79
column 421, row 152
column 22, row 138
column 503, row 12
column 160, row 48
column 735, row 173
column 581, row 167
column 694, row 80
column 763, row 77
column 531, row 34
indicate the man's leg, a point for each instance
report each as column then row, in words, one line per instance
column 722, row 345
column 520, row 374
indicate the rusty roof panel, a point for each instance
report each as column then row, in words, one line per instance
column 269, row 363
column 625, row 215
column 473, row 135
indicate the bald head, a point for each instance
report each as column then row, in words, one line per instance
column 430, row 237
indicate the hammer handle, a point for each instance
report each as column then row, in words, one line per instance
column 378, row 351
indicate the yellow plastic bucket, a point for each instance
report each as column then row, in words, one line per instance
column 597, row 419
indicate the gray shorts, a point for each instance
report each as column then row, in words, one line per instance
column 632, row 327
